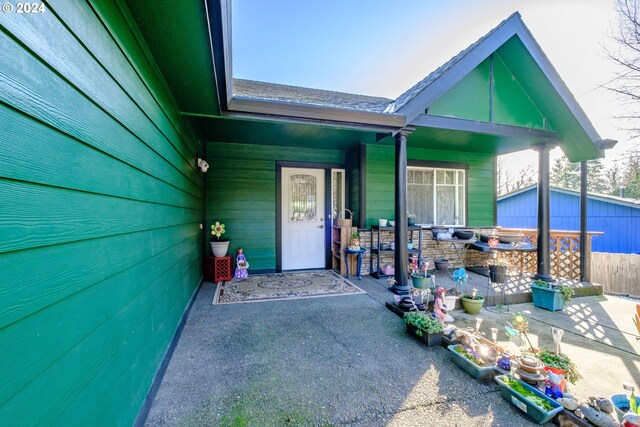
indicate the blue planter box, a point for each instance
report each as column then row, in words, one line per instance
column 534, row 412
column 477, row 372
column 549, row 299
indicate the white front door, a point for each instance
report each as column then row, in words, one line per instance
column 303, row 221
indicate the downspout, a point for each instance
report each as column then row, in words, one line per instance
column 544, row 220
column 584, row 276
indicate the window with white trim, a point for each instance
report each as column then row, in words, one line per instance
column 436, row 196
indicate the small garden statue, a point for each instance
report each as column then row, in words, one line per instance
column 242, row 266
column 439, row 307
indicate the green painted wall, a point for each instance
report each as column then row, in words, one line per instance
column 474, row 98
column 241, row 193
column 380, row 176
column 100, row 246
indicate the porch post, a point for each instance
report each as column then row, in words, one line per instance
column 583, row 221
column 401, row 254
column 544, row 229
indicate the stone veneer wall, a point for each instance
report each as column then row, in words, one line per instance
column 430, row 250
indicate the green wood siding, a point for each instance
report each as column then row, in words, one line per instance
column 490, row 96
column 380, row 176
column 469, row 98
column 100, row 246
column 241, row 193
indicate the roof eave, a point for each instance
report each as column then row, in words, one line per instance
column 288, row 111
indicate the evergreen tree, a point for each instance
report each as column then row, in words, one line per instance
column 565, row 174
column 596, row 181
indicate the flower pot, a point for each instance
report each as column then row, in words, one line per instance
column 419, row 281
column 497, row 274
column 477, row 372
column 450, row 301
column 429, row 339
column 620, row 404
column 441, row 264
column 472, row 306
column 547, row 298
column 535, row 412
column 220, row 248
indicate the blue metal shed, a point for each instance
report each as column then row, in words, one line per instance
column 618, row 218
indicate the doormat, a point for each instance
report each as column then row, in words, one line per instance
column 278, row 286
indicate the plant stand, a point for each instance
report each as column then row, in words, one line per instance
column 497, row 300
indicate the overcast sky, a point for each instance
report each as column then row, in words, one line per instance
column 381, row 47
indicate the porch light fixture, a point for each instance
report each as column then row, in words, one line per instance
column 203, row 165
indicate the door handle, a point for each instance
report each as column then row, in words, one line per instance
column 321, row 226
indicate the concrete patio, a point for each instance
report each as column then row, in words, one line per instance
column 346, row 360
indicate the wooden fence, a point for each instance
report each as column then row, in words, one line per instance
column 619, row 273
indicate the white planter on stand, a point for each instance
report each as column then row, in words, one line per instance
column 220, row 249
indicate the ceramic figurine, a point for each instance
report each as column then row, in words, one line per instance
column 242, row 266
column 553, row 388
column 505, row 362
column 439, row 307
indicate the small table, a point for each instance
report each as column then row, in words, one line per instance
column 451, row 243
column 358, row 253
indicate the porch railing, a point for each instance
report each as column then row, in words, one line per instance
column 565, row 252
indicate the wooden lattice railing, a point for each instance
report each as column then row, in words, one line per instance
column 565, row 252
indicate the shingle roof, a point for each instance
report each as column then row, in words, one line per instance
column 403, row 99
column 302, row 95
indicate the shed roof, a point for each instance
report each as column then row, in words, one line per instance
column 633, row 203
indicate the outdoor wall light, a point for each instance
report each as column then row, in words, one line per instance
column 203, row 165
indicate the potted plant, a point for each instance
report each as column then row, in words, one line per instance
column 218, row 246
column 559, row 364
column 529, row 400
column 470, row 362
column 411, row 218
column 626, row 407
column 498, row 270
column 472, row 302
column 427, row 328
column 355, row 241
column 550, row 297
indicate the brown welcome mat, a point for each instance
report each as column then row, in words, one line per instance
column 277, row 286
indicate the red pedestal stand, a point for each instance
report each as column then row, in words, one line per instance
column 217, row 269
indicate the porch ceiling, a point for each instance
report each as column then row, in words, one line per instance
column 455, row 140
column 280, row 133
column 177, row 34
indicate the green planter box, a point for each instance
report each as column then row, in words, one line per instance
column 547, row 298
column 477, row 372
column 536, row 413
column 430, row 340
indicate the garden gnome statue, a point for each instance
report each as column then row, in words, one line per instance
column 242, row 266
